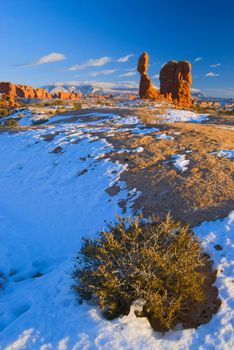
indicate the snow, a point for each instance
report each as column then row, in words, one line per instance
column 133, row 150
column 176, row 115
column 28, row 116
column 225, row 153
column 180, row 162
column 143, row 131
column 164, row 137
column 48, row 202
column 42, row 313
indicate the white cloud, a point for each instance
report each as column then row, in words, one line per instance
column 215, row 65
column 103, row 72
column 127, row 74
column 97, row 62
column 156, row 76
column 198, row 59
column 124, row 58
column 212, row 74
column 51, row 57
column 195, row 90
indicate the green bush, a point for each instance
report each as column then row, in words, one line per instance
column 77, row 106
column 159, row 262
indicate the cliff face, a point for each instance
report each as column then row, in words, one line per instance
column 175, row 82
column 146, row 88
column 22, row 91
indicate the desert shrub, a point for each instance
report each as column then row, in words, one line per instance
column 11, row 122
column 4, row 111
column 226, row 111
column 77, row 106
column 159, row 262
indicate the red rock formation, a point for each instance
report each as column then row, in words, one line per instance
column 67, row 95
column 9, row 90
column 146, row 88
column 175, row 81
column 23, row 91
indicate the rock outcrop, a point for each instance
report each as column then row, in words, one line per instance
column 9, row 92
column 67, row 95
column 175, row 81
column 23, row 91
column 146, row 88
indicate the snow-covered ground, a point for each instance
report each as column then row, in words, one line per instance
column 180, row 162
column 225, row 153
column 53, row 185
column 164, row 137
column 176, row 115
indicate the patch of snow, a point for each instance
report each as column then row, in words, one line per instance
column 144, row 131
column 177, row 115
column 133, row 150
column 180, row 162
column 130, row 120
column 231, row 128
column 225, row 153
column 164, row 137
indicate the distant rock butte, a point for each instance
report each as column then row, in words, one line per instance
column 146, row 89
column 67, row 95
column 23, row 91
column 175, row 82
column 13, row 91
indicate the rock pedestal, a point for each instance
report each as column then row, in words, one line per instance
column 146, row 88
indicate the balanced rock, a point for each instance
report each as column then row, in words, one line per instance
column 146, row 88
column 175, row 81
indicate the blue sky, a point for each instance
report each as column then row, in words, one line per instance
column 48, row 41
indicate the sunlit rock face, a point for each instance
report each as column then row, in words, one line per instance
column 23, row 91
column 175, row 82
column 146, row 88
column 67, row 95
